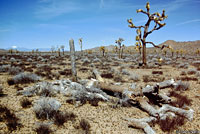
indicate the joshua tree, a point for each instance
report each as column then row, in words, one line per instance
column 10, row 51
column 52, row 49
column 123, row 47
column 141, row 38
column 80, row 43
column 138, row 47
column 59, row 52
column 119, row 43
column 63, row 48
column 102, row 48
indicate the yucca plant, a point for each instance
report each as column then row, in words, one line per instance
column 143, row 30
column 63, row 49
column 119, row 43
column 102, row 49
column 80, row 43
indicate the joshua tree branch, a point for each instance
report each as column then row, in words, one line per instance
column 153, row 44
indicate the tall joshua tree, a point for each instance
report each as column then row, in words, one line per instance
column 157, row 18
column 119, row 43
column 80, row 43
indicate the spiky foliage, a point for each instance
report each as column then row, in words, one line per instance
column 119, row 43
column 157, row 18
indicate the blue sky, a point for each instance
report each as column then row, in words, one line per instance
column 45, row 23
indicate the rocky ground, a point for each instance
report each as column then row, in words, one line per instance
column 95, row 115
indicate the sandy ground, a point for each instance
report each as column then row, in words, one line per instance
column 104, row 119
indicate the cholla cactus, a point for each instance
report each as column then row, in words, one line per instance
column 102, row 48
column 141, row 37
column 119, row 43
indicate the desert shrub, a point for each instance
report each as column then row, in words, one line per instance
column 4, row 68
column 183, row 72
column 23, row 78
column 1, row 90
column 181, row 100
column 45, row 108
column 191, row 71
column 181, row 86
column 171, row 123
column 60, row 118
column 10, row 118
column 85, row 125
column 46, row 90
column 125, row 72
column 43, row 129
column 157, row 72
column 134, row 77
column 25, row 103
column 186, row 78
column 14, row 70
column 107, row 75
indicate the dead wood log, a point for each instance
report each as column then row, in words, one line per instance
column 186, row 113
column 146, row 106
column 142, row 124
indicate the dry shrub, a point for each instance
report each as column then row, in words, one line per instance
column 60, row 118
column 43, row 129
column 171, row 123
column 157, row 72
column 85, row 125
column 25, row 103
column 181, row 100
column 10, row 118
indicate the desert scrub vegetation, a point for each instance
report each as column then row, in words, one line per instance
column 26, row 103
column 11, row 120
column 45, row 108
column 61, row 117
column 43, row 129
column 85, row 125
column 23, row 78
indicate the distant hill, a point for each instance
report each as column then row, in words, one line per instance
column 190, row 46
column 185, row 45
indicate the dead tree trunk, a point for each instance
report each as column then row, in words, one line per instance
column 73, row 62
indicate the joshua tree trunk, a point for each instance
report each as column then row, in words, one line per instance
column 73, row 58
column 144, row 60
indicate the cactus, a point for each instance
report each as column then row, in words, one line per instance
column 63, row 49
column 73, row 58
column 102, row 48
column 156, row 18
column 119, row 43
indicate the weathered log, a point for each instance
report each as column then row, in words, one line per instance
column 186, row 113
column 73, row 58
column 141, row 124
column 147, row 107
